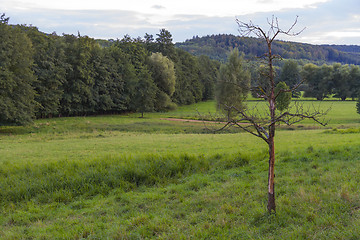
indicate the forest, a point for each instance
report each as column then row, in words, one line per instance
column 47, row 75
column 217, row 47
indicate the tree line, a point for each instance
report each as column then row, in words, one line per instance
column 218, row 46
column 336, row 80
column 46, row 75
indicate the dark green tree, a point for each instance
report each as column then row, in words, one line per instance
column 3, row 19
column 290, row 74
column 49, row 69
column 233, row 85
column 259, row 80
column 121, row 75
column 341, row 79
column 318, row 79
column 135, row 70
column 145, row 98
column 188, row 87
column 150, row 45
column 283, row 96
column 17, row 103
column 354, row 81
column 104, row 76
column 209, row 70
column 164, row 43
column 78, row 96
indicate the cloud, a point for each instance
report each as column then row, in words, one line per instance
column 159, row 7
column 332, row 22
column 321, row 23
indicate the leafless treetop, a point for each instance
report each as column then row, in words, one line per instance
column 246, row 29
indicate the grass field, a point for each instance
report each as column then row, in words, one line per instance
column 125, row 177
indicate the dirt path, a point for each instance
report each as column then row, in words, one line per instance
column 196, row 121
column 190, row 120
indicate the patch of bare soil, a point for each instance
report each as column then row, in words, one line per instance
column 190, row 120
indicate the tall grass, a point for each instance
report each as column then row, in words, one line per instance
column 123, row 177
column 217, row 198
column 63, row 181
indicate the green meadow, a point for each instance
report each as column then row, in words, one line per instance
column 126, row 177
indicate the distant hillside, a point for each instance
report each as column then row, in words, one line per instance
column 346, row 48
column 218, row 46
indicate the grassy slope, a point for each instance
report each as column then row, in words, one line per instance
column 112, row 177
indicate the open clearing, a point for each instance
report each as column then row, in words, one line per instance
column 124, row 177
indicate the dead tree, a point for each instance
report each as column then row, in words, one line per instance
column 264, row 125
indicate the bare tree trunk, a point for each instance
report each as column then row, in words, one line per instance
column 271, row 178
column 272, row 108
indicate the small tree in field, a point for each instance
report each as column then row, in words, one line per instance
column 263, row 125
column 233, row 85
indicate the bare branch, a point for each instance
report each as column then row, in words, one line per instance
column 265, row 127
column 246, row 29
column 290, row 118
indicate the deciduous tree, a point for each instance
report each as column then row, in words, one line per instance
column 290, row 74
column 264, row 125
column 163, row 73
column 209, row 70
column 17, row 103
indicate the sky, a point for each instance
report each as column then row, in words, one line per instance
column 326, row 21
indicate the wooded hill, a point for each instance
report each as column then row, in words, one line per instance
column 218, row 46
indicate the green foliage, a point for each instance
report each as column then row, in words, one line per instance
column 122, row 76
column 343, row 131
column 17, row 103
column 46, row 75
column 49, row 69
column 290, row 74
column 3, row 19
column 260, row 80
column 75, row 76
column 233, row 85
column 283, row 99
column 188, row 87
column 317, row 79
column 163, row 73
column 145, row 93
column 78, row 95
column 342, row 81
column 164, row 43
column 209, row 71
column 218, row 46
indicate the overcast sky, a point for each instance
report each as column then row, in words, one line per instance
column 326, row 21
